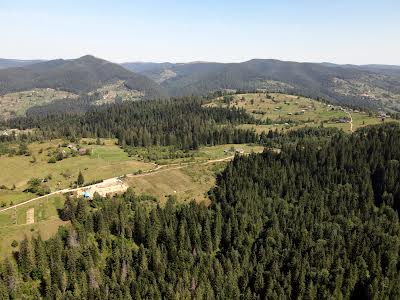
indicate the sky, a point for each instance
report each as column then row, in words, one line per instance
column 338, row 31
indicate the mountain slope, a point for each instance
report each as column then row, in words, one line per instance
column 80, row 75
column 370, row 86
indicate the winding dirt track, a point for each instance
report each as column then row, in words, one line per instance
column 151, row 172
column 351, row 121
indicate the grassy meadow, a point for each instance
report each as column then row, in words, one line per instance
column 288, row 112
column 16, row 104
column 105, row 161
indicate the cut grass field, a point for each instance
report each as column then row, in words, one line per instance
column 189, row 180
column 296, row 111
column 186, row 183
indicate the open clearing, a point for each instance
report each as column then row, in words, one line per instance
column 16, row 104
column 110, row 93
column 104, row 162
column 288, row 112
column 14, row 223
column 187, row 182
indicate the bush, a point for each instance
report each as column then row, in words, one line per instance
column 52, row 160
column 59, row 156
column 14, row 244
column 43, row 190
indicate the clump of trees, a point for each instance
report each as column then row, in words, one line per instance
column 80, row 180
column 37, row 186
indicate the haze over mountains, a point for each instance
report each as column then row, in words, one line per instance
column 15, row 63
column 368, row 86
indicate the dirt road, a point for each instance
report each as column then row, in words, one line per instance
column 351, row 121
column 153, row 171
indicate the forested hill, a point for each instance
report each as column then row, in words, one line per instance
column 371, row 86
column 80, row 75
column 319, row 220
column 184, row 123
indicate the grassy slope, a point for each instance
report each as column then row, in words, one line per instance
column 188, row 182
column 13, row 222
column 19, row 102
column 284, row 107
column 104, row 162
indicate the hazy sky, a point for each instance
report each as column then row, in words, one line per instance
column 351, row 31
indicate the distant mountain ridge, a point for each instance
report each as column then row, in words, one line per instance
column 16, row 63
column 80, row 75
column 368, row 86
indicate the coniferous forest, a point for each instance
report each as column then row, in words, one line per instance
column 185, row 123
column 317, row 220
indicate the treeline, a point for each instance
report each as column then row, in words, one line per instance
column 315, row 221
column 184, row 123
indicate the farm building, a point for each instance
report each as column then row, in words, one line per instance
column 344, row 120
column 106, row 188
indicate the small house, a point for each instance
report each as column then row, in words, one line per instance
column 344, row 120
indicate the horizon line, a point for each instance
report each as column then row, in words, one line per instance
column 120, row 62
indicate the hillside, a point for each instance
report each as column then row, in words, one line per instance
column 371, row 86
column 282, row 112
column 80, row 75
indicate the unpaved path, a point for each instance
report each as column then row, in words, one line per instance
column 156, row 170
column 351, row 121
column 30, row 216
